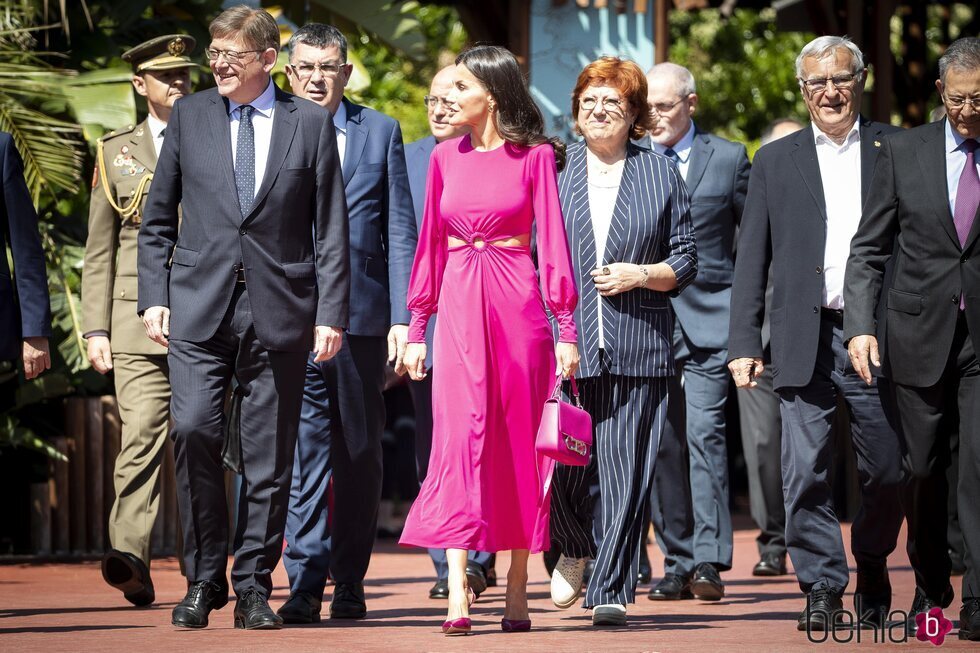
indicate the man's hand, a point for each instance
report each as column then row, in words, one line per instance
column 100, row 354
column 37, row 357
column 326, row 342
column 745, row 371
column 156, row 321
column 397, row 340
column 860, row 349
column 414, row 360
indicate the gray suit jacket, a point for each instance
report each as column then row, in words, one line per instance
column 293, row 242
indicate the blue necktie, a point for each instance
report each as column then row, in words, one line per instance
column 245, row 159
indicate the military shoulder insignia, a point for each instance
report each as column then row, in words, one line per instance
column 117, row 132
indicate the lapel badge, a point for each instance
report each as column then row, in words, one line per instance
column 119, row 161
column 877, row 143
column 124, row 149
column 139, row 132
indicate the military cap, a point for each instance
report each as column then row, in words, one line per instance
column 161, row 53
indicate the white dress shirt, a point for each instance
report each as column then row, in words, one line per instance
column 603, row 191
column 156, row 131
column 265, row 106
column 840, row 173
column 955, row 162
column 682, row 148
column 340, row 128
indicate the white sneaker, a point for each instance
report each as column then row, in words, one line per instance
column 566, row 581
column 609, row 614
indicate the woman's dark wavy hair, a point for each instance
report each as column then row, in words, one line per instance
column 516, row 117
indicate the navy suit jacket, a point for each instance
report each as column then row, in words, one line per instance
column 293, row 241
column 785, row 223
column 717, row 182
column 31, row 315
column 417, row 157
column 383, row 235
column 651, row 223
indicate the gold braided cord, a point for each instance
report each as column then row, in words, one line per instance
column 134, row 204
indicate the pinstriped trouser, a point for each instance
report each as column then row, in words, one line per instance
column 628, row 414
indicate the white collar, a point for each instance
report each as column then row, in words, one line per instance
column 819, row 136
column 340, row 118
column 263, row 103
column 953, row 138
column 681, row 147
column 156, row 125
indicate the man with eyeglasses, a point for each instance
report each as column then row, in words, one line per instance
column 480, row 564
column 923, row 217
column 343, row 418
column 257, row 276
column 804, row 203
column 689, row 504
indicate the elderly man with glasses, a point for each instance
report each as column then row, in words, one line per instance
column 804, row 203
column 343, row 414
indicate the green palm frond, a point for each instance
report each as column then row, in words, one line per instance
column 52, row 149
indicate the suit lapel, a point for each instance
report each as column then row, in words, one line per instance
column 618, row 226
column 701, row 153
column 870, row 146
column 578, row 224
column 283, row 129
column 805, row 157
column 356, row 137
column 142, row 146
column 932, row 163
column 221, row 142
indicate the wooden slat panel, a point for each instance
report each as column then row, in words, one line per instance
column 94, row 452
column 77, row 505
column 61, row 512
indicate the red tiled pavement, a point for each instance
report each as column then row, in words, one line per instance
column 66, row 607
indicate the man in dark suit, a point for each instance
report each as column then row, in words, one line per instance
column 25, row 318
column 343, row 413
column 923, row 214
column 804, row 204
column 690, row 498
column 417, row 156
column 256, row 173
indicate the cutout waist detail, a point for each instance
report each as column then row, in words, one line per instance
column 479, row 241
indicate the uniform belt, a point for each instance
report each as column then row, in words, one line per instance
column 240, row 273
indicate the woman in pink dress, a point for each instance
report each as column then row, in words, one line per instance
column 495, row 354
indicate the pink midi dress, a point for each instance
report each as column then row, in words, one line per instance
column 493, row 363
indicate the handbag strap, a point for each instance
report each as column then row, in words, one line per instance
column 556, row 394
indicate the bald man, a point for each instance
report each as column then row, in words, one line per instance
column 417, row 155
column 690, row 499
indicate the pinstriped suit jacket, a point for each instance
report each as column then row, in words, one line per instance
column 651, row 223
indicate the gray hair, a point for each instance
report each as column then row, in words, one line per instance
column 319, row 36
column 823, row 46
column 681, row 75
column 962, row 54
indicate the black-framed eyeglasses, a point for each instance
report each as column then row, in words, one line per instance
column 432, row 101
column 841, row 82
column 305, row 70
column 609, row 104
column 231, row 56
column 956, row 102
column 663, row 107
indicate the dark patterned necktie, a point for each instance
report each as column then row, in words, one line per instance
column 967, row 197
column 672, row 155
column 245, row 159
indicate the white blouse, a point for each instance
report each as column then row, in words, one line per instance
column 603, row 190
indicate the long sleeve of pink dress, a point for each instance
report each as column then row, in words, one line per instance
column 493, row 360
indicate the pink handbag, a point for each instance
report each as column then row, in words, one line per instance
column 565, row 433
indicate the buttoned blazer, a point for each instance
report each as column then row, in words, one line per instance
column 651, row 223
column 717, row 182
column 907, row 221
column 26, row 312
column 383, row 235
column 293, row 242
column 417, row 156
column 785, row 223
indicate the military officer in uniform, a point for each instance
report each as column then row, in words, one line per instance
column 117, row 341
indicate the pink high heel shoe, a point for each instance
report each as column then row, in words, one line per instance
column 461, row 626
column 515, row 625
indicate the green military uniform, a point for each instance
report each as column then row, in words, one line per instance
column 124, row 170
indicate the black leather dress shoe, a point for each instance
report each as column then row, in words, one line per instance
column 476, row 578
column 645, row 574
column 440, row 590
column 707, row 585
column 924, row 603
column 822, row 605
column 252, row 612
column 202, row 597
column 128, row 574
column 970, row 620
column 300, row 608
column 770, row 564
column 671, row 588
column 873, row 595
column 348, row 601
